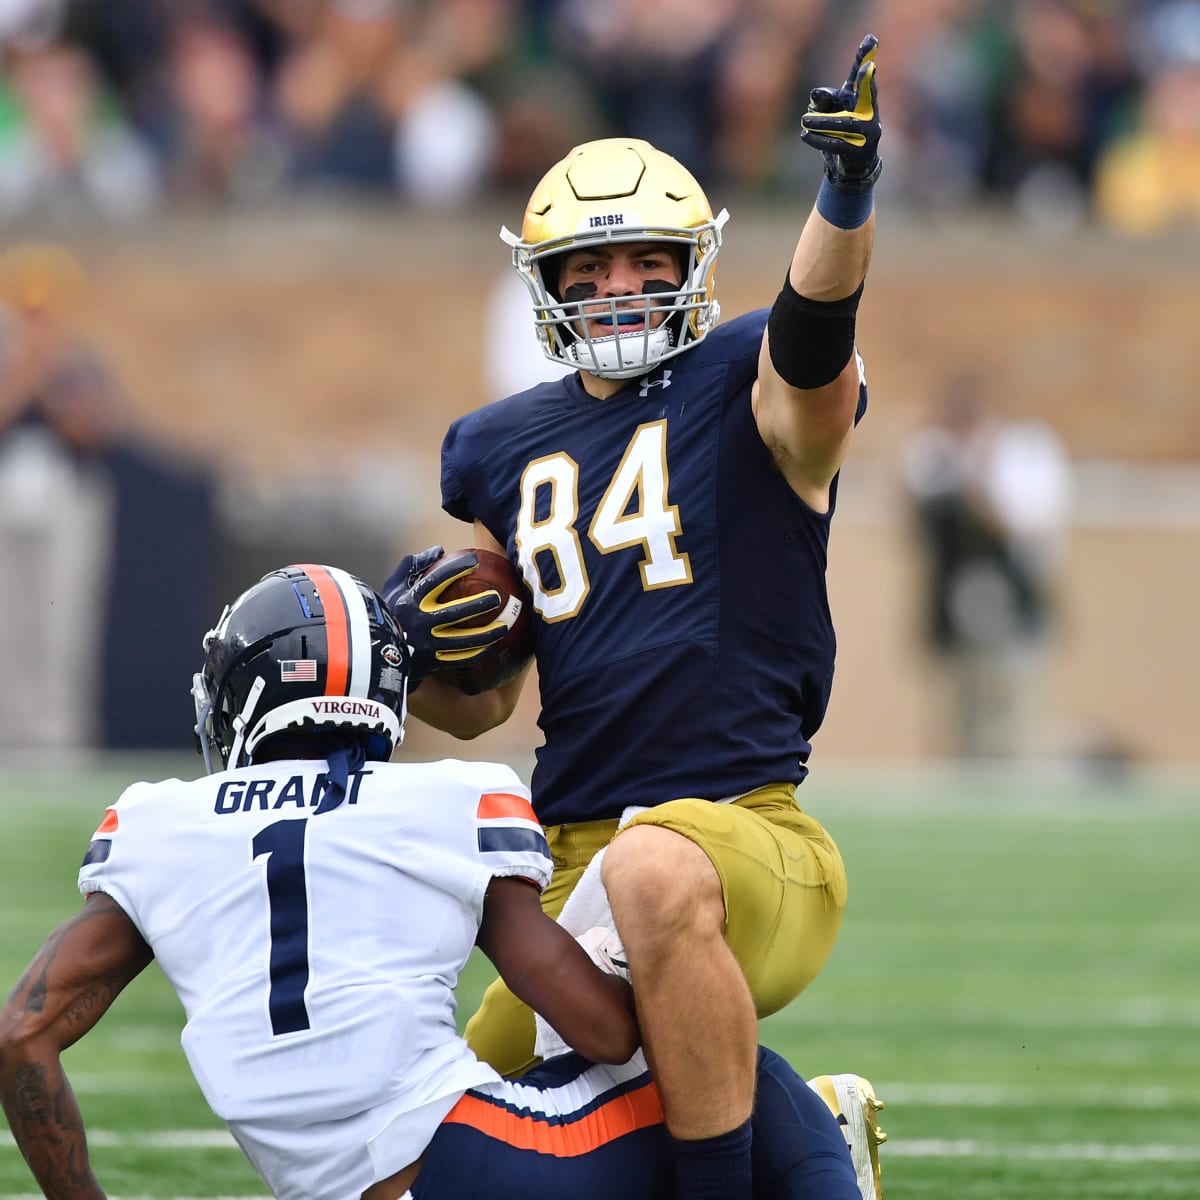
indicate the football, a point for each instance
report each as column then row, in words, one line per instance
column 508, row 657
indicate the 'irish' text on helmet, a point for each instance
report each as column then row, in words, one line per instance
column 619, row 190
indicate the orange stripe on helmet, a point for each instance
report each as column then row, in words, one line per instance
column 337, row 629
column 562, row 1138
column 109, row 824
column 504, row 804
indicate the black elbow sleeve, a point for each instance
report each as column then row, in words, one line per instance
column 811, row 341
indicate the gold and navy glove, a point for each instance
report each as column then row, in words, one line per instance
column 433, row 625
column 843, row 123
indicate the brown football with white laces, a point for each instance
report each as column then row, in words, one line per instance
column 506, row 659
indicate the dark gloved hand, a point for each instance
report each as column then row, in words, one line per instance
column 843, row 123
column 434, row 626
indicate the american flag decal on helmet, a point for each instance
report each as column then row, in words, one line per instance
column 303, row 670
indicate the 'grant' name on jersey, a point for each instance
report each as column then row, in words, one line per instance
column 243, row 795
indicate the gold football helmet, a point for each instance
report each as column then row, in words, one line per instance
column 618, row 190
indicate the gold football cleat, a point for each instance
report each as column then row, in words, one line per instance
column 852, row 1100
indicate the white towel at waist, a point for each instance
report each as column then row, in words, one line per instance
column 586, row 908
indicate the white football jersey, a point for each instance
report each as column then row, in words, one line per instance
column 316, row 954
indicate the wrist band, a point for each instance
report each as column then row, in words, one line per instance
column 846, row 210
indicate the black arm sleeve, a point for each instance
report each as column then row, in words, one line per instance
column 811, row 340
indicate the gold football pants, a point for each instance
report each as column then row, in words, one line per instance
column 783, row 881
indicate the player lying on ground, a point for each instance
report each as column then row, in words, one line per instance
column 313, row 905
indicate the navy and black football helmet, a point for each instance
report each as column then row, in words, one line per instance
column 309, row 649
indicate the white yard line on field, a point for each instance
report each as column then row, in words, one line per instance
column 217, row 1139
column 166, row 1139
column 986, row 1095
column 1062, row 1152
column 100, row 1083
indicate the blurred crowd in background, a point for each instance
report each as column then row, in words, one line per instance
column 103, row 534
column 1061, row 114
column 1062, row 110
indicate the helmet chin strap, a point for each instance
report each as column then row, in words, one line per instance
column 242, row 721
column 403, row 713
column 621, row 352
column 342, row 763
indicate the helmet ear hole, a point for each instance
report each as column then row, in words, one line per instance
column 552, row 269
column 683, row 256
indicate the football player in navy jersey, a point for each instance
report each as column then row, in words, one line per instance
column 668, row 506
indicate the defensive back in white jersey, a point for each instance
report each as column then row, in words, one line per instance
column 316, row 954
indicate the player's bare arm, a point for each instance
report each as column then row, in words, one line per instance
column 77, row 974
column 445, row 707
column 546, row 968
column 808, row 384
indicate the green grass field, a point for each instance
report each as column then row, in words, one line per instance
column 1019, row 975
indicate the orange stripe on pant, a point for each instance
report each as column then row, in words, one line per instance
column 337, row 629
column 563, row 1138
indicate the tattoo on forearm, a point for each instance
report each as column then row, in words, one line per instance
column 47, row 1124
column 31, row 1093
column 33, row 988
column 33, row 983
column 87, row 1008
column 71, row 982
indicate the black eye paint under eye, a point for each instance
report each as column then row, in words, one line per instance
column 579, row 291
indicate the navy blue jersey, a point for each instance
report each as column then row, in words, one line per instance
column 683, row 636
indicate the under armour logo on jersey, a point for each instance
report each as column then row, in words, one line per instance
column 664, row 382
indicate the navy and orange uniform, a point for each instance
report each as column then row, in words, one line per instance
column 573, row 1128
column 683, row 634
column 578, row 1129
column 684, row 642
